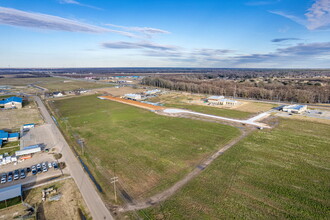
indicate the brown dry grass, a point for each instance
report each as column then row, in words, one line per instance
column 254, row 107
column 12, row 212
column 134, row 103
column 66, row 208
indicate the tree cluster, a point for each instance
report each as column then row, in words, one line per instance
column 273, row 90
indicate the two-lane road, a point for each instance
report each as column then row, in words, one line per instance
column 93, row 200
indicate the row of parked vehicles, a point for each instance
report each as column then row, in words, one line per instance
column 22, row 173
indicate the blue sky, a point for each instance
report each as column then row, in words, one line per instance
column 165, row 33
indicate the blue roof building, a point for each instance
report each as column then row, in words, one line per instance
column 11, row 102
column 3, row 135
column 13, row 135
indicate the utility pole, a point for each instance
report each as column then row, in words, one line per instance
column 114, row 180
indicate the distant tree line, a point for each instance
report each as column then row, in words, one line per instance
column 268, row 89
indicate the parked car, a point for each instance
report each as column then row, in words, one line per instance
column 50, row 165
column 39, row 170
column 28, row 169
column 10, row 178
column 38, row 165
column 16, row 174
column 44, row 169
column 34, row 172
column 4, row 178
column 55, row 165
column 22, row 174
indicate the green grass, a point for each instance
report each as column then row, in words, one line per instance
column 10, row 144
column 52, row 83
column 5, row 96
column 10, row 151
column 10, row 202
column 272, row 174
column 67, row 84
column 230, row 113
column 150, row 151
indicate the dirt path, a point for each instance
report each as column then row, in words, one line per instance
column 178, row 185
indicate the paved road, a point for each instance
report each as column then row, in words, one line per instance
column 93, row 200
column 251, row 121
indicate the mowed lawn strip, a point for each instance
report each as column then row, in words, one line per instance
column 229, row 113
column 150, row 151
column 282, row 173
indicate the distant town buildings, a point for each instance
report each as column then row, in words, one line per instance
column 58, row 94
column 11, row 102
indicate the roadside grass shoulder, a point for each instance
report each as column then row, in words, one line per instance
column 272, row 174
column 148, row 152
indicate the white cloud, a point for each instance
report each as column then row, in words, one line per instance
column 78, row 3
column 13, row 17
column 144, row 30
column 317, row 17
column 138, row 45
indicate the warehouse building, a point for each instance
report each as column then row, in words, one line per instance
column 11, row 192
column 228, row 102
column 296, row 109
column 214, row 99
column 220, row 100
column 8, row 137
column 133, row 96
column 153, row 92
column 11, row 102
column 28, row 150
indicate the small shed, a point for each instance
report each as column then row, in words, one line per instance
column 28, row 126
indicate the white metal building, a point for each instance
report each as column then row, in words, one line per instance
column 296, row 109
column 133, row 96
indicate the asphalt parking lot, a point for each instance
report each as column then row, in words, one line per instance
column 30, row 178
column 38, row 135
column 37, row 158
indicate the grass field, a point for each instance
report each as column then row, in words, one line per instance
column 230, row 113
column 254, row 107
column 193, row 102
column 26, row 81
column 52, row 83
column 148, row 151
column 272, row 174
